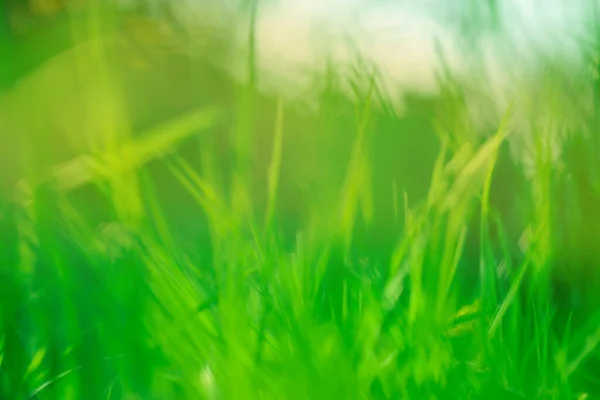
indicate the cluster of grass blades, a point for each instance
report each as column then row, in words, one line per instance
column 154, row 267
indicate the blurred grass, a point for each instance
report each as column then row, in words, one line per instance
column 168, row 232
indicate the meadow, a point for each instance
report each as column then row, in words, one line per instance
column 171, row 229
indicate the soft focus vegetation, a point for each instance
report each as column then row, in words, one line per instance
column 169, row 232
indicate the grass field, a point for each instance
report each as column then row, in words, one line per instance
column 170, row 233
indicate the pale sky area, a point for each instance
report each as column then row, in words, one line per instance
column 399, row 36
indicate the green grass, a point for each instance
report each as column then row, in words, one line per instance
column 199, row 239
